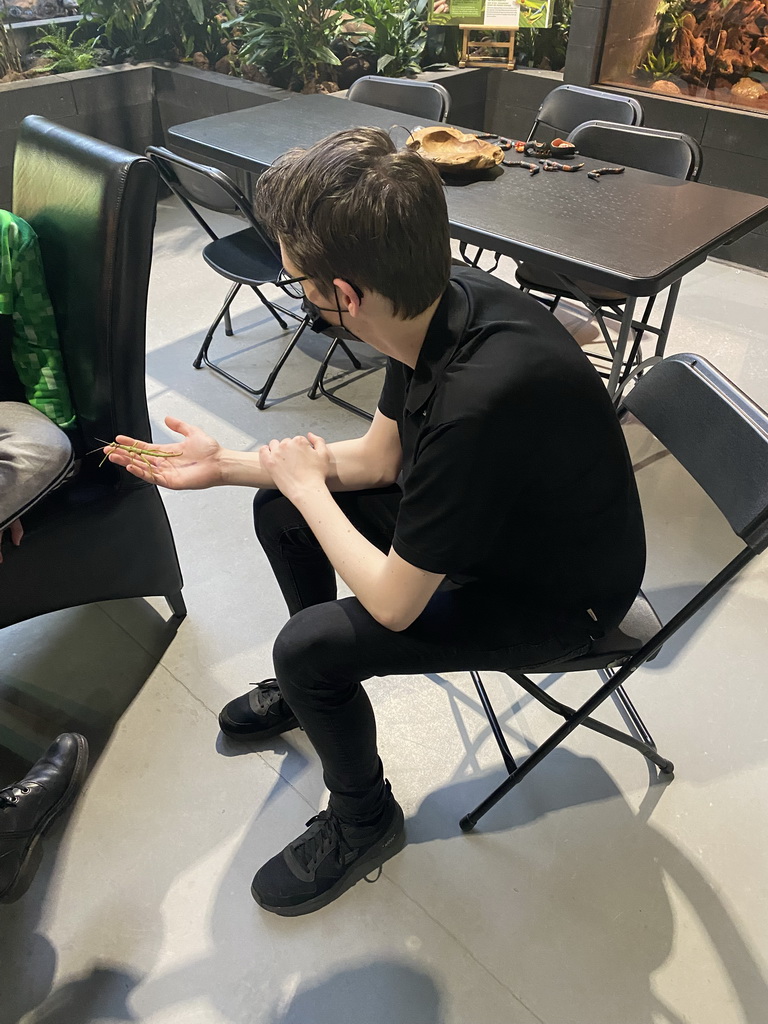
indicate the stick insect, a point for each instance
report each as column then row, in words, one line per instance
column 133, row 449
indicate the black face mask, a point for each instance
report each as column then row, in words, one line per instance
column 320, row 325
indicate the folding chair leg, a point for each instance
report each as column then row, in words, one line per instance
column 202, row 355
column 264, row 392
column 573, row 719
column 493, row 721
column 228, row 324
column 645, row 745
column 350, row 355
column 318, row 384
column 270, row 306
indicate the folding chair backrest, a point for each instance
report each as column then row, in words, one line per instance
column 673, row 153
column 198, row 185
column 429, row 100
column 570, row 105
column 715, row 432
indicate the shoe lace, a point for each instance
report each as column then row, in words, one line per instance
column 265, row 695
column 11, row 794
column 315, row 846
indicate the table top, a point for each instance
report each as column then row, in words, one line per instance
column 636, row 232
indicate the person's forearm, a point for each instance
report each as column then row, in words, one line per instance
column 351, row 469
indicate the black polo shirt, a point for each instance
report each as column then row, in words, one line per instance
column 515, row 471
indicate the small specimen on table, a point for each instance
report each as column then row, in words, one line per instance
column 533, row 168
column 133, row 449
column 595, row 175
column 554, row 165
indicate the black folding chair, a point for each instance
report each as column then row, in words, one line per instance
column 429, row 100
column 671, row 153
column 247, row 257
column 721, row 438
column 562, row 111
column 568, row 106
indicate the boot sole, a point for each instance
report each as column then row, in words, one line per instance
column 379, row 854
column 66, row 798
column 238, row 732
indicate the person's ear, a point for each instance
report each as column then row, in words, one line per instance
column 348, row 296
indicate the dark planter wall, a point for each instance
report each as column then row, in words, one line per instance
column 513, row 97
column 129, row 106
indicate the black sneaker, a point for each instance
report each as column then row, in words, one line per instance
column 29, row 808
column 329, row 858
column 258, row 714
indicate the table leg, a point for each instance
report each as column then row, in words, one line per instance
column 621, row 344
column 666, row 320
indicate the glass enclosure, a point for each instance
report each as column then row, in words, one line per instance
column 710, row 50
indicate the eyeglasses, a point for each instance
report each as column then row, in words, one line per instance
column 292, row 286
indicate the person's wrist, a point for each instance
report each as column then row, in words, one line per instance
column 306, row 492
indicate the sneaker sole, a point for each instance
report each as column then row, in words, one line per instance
column 387, row 847
column 66, row 798
column 244, row 732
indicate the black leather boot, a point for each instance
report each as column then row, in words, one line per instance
column 28, row 808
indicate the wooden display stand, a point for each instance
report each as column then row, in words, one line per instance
column 469, row 57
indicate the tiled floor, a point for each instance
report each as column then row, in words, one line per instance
column 592, row 895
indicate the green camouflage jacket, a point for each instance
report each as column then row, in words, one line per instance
column 35, row 343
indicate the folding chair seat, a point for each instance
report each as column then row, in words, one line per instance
column 670, row 153
column 246, row 257
column 721, row 438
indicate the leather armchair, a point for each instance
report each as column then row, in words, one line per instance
column 104, row 534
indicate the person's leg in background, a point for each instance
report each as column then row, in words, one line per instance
column 35, row 457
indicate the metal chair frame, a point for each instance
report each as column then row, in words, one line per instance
column 165, row 160
column 721, row 438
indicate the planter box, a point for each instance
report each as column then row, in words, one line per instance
column 128, row 105
column 26, row 32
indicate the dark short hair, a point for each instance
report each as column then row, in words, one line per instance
column 355, row 206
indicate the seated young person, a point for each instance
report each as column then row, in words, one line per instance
column 487, row 519
column 35, row 405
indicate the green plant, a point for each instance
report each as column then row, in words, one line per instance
column 546, row 46
column 399, row 32
column 292, row 37
column 660, row 65
column 62, row 55
column 10, row 61
column 147, row 29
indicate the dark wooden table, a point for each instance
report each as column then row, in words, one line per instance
column 638, row 233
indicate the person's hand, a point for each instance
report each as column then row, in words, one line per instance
column 441, row 7
column 194, row 463
column 17, row 532
column 296, row 464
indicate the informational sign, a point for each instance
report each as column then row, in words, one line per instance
column 506, row 13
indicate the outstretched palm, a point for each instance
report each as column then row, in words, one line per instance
column 193, row 463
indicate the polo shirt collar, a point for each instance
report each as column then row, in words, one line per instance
column 446, row 329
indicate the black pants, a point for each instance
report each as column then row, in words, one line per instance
column 328, row 646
